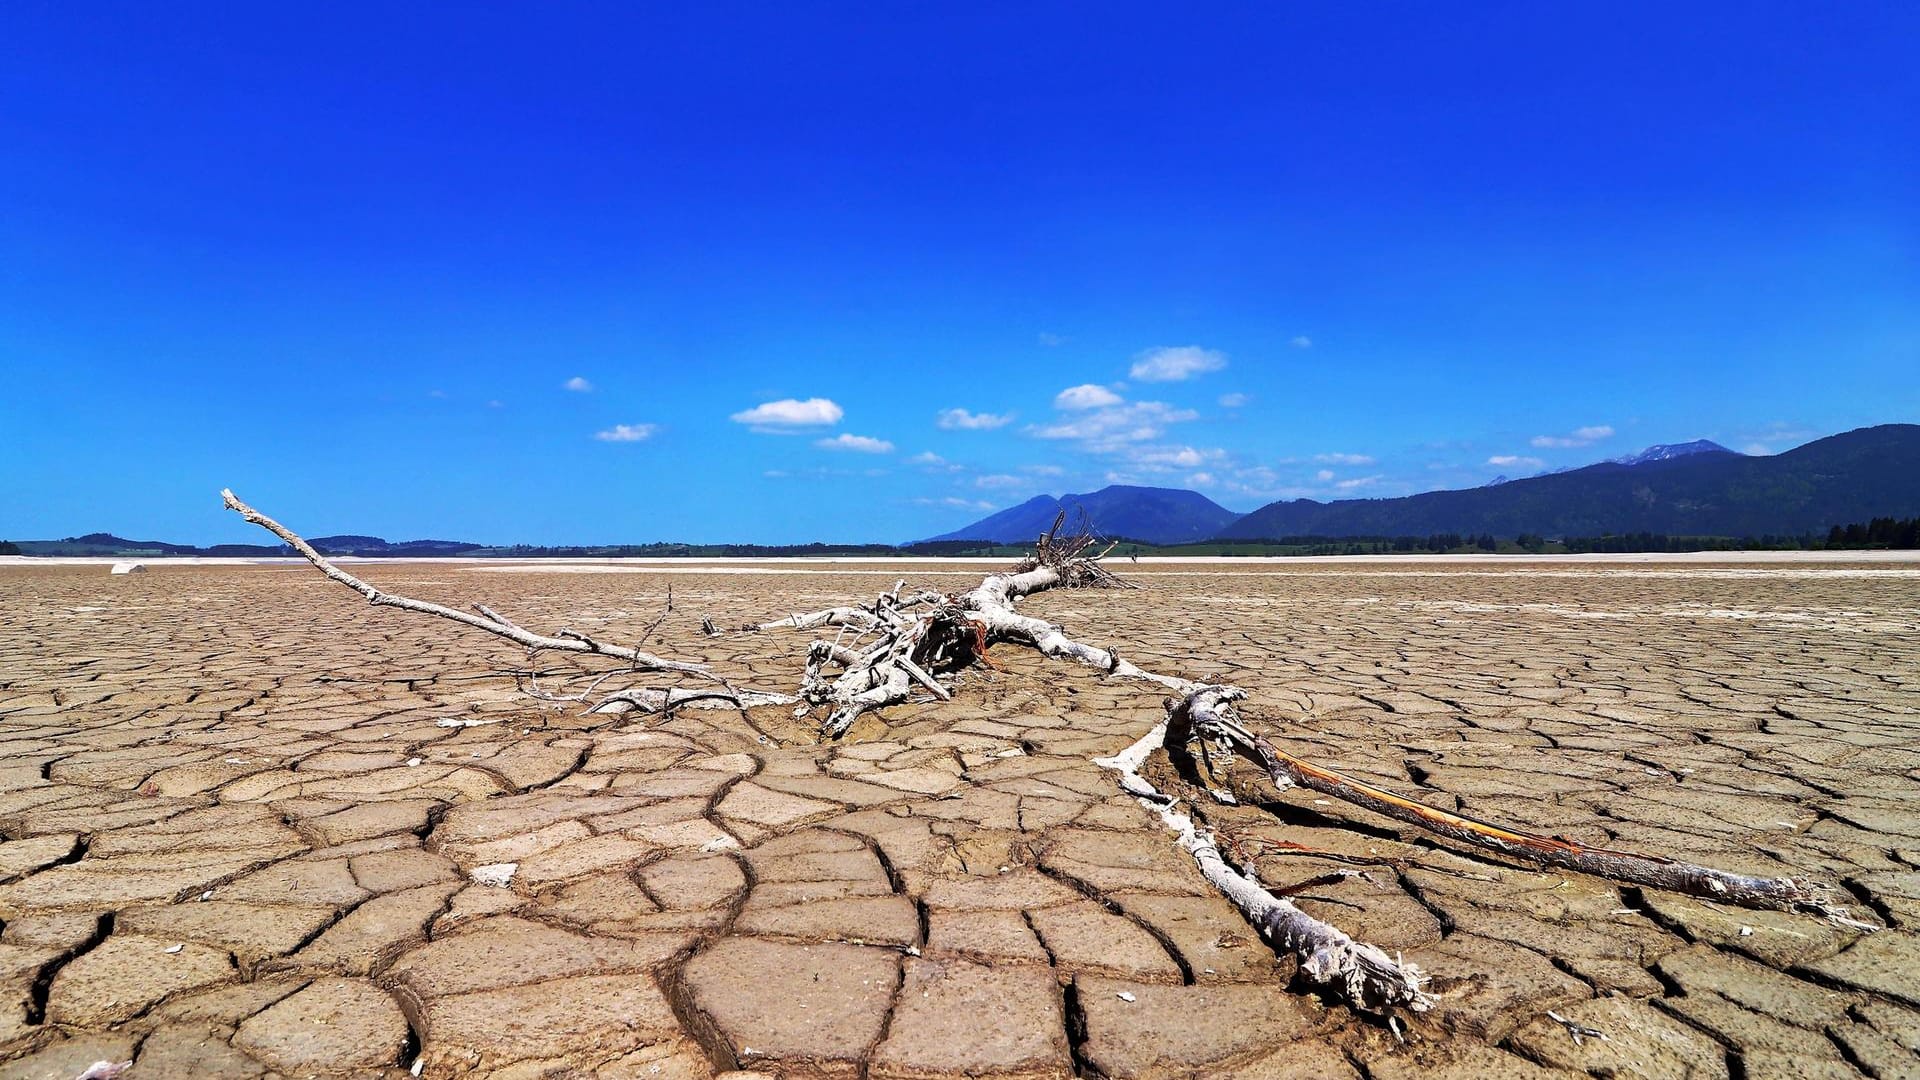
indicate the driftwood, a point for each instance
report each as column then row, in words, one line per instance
column 1364, row 975
column 900, row 642
column 893, row 649
column 563, row 640
column 1208, row 714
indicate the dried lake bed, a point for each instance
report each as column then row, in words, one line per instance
column 241, row 816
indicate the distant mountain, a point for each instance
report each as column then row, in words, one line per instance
column 375, row 547
column 107, row 544
column 103, row 544
column 1670, row 451
column 1156, row 515
column 1696, row 489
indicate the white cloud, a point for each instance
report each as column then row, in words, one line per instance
column 436, row 393
column 578, row 385
column 1001, row 480
column 1202, row 479
column 1108, row 429
column 1775, row 437
column 1302, row 342
column 1176, row 364
column 1323, row 475
column 1514, row 461
column 1585, row 436
column 1085, row 396
column 1043, row 470
column 1358, row 482
column 962, row 420
column 627, row 433
column 1167, row 458
column 790, row 413
column 1344, row 459
column 496, row 404
column 1233, row 401
column 858, row 443
column 956, row 503
column 928, row 461
column 1051, row 340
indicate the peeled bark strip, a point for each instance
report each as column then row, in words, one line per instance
column 1363, row 975
column 1208, row 713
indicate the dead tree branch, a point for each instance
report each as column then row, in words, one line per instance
column 910, row 649
column 562, row 641
column 1362, row 975
column 1208, row 713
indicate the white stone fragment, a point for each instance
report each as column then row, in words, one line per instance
column 498, row 875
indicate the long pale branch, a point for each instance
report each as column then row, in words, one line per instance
column 1208, row 712
column 488, row 620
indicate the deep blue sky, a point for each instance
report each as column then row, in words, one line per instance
column 345, row 259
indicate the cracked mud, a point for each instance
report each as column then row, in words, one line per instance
column 251, row 827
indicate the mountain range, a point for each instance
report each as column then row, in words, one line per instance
column 1687, row 489
column 1156, row 515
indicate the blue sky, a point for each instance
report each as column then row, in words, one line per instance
column 602, row 273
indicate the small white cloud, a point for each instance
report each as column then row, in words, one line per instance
column 496, row 404
column 956, row 503
column 928, row 461
column 1176, row 364
column 1111, row 428
column 1233, row 401
column 1344, row 459
column 1043, row 470
column 1323, row 475
column 1162, row 458
column 790, row 413
column 1585, row 436
column 962, row 420
column 1775, row 437
column 857, row 443
column 775, row 474
column 627, row 433
column 1358, row 482
column 1001, row 480
column 1201, row 479
column 578, row 385
column 437, row 394
column 1513, row 461
column 1052, row 340
column 1085, row 396
column 1302, row 342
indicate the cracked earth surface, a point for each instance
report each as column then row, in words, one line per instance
column 242, row 816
